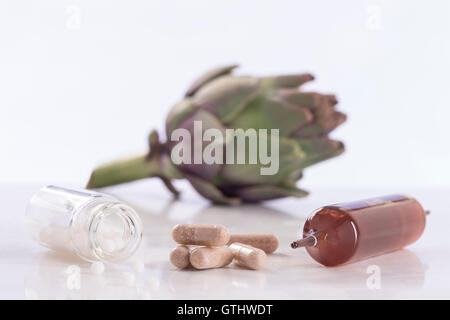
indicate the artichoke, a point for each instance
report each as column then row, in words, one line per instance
column 223, row 101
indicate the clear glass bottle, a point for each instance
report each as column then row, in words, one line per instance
column 94, row 226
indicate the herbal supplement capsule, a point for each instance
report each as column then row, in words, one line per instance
column 266, row 242
column 348, row 232
column 207, row 258
column 201, row 234
column 179, row 257
column 248, row 256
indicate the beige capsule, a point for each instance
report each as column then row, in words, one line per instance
column 266, row 242
column 208, row 258
column 248, row 256
column 179, row 257
column 201, row 234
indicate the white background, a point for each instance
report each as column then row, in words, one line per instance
column 74, row 94
column 78, row 90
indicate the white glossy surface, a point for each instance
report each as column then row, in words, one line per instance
column 30, row 271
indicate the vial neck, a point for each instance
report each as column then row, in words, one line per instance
column 115, row 232
column 310, row 240
column 106, row 230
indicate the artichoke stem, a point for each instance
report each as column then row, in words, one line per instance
column 125, row 170
column 170, row 187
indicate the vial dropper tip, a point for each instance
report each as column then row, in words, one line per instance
column 309, row 241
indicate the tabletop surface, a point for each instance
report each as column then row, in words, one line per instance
column 29, row 271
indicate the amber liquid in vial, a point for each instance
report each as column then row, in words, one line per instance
column 348, row 232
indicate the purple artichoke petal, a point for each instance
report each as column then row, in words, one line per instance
column 332, row 100
column 322, row 126
column 205, row 171
column 306, row 99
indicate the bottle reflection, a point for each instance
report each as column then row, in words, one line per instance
column 391, row 273
column 53, row 276
column 213, row 283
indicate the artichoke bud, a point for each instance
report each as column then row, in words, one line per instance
column 293, row 124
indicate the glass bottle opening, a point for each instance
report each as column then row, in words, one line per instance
column 115, row 232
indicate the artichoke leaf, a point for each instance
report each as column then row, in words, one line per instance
column 288, row 81
column 269, row 192
column 210, row 191
column 290, row 158
column 178, row 114
column 272, row 113
column 307, row 99
column 208, row 77
column 207, row 121
column 226, row 96
column 323, row 125
column 319, row 149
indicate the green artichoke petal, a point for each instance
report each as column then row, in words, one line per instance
column 295, row 175
column 319, row 149
column 291, row 158
column 226, row 96
column 269, row 192
column 177, row 114
column 207, row 77
column 272, row 113
column 288, row 81
column 210, row 191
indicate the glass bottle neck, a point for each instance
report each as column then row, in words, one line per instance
column 106, row 230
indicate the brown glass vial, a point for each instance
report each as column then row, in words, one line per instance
column 348, row 232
